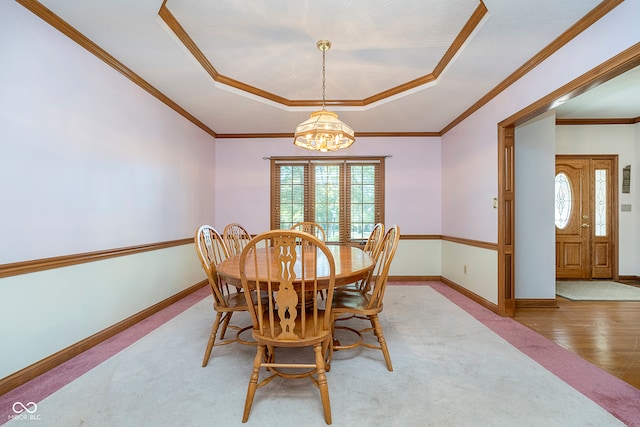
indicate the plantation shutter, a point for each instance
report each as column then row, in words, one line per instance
column 344, row 195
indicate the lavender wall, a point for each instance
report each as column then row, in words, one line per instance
column 412, row 175
column 469, row 151
column 88, row 161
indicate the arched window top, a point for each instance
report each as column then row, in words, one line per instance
column 563, row 200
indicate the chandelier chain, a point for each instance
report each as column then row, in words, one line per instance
column 324, row 51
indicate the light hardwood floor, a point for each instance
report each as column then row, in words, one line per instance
column 605, row 333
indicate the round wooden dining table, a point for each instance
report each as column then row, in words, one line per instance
column 352, row 264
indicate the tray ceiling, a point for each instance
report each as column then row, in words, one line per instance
column 253, row 67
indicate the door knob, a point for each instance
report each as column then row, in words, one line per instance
column 584, row 225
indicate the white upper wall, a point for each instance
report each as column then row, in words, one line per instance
column 89, row 161
column 412, row 178
column 535, row 272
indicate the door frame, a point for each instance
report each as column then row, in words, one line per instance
column 613, row 187
column 624, row 61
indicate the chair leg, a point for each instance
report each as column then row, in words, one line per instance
column 253, row 382
column 327, row 351
column 212, row 339
column 383, row 343
column 225, row 323
column 332, row 342
column 270, row 355
column 322, row 382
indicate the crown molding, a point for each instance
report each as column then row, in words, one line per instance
column 174, row 25
column 589, row 19
column 357, row 134
column 612, row 121
column 55, row 21
column 61, row 25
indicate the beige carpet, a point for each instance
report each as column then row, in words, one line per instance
column 597, row 290
column 449, row 370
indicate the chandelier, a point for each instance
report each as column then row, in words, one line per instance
column 323, row 131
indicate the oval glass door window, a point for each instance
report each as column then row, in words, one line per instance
column 563, row 200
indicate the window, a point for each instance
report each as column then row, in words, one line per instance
column 344, row 195
column 601, row 202
column 563, row 200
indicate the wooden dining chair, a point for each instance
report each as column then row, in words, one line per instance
column 372, row 247
column 211, row 251
column 236, row 238
column 315, row 229
column 373, row 244
column 285, row 265
column 368, row 305
column 311, row 228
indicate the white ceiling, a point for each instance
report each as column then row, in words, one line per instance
column 619, row 98
column 266, row 50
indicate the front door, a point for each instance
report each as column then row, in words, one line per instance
column 585, row 216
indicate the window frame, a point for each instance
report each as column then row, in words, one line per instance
column 345, row 189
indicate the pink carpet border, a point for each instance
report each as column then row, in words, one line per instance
column 58, row 377
column 614, row 395
column 617, row 397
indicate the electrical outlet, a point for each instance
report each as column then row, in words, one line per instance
column 465, row 269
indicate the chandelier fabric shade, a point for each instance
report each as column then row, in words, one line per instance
column 323, row 131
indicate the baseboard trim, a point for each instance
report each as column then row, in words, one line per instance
column 464, row 291
column 475, row 297
column 30, row 372
column 413, row 279
column 536, row 303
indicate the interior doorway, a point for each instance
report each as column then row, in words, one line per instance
column 617, row 65
column 586, row 216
